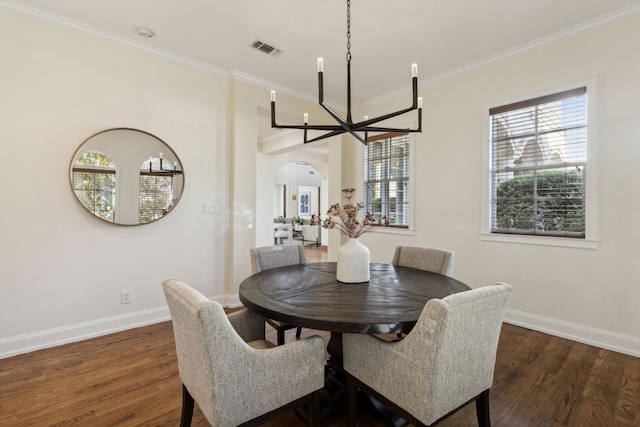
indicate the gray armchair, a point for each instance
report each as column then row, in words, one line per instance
column 429, row 259
column 268, row 257
column 235, row 375
column 445, row 362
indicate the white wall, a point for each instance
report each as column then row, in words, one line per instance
column 589, row 294
column 62, row 270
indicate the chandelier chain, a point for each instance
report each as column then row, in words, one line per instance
column 348, row 31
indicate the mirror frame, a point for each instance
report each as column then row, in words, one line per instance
column 161, row 144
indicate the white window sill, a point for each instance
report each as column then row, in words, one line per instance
column 395, row 230
column 539, row 240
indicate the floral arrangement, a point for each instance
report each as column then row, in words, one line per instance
column 345, row 218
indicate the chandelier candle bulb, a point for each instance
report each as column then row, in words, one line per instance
column 414, row 70
column 306, row 118
column 420, row 102
column 273, row 96
column 320, row 65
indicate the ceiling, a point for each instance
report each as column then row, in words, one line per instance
column 387, row 36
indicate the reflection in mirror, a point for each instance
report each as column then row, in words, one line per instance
column 126, row 176
column 94, row 182
column 157, row 188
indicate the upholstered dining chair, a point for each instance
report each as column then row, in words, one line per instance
column 268, row 257
column 445, row 362
column 429, row 259
column 231, row 371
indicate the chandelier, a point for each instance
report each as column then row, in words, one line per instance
column 347, row 125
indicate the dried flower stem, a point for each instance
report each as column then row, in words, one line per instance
column 348, row 217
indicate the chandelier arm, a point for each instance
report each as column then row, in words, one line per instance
column 335, row 133
column 388, row 130
column 345, row 125
column 326, row 135
column 358, row 137
column 361, row 125
column 414, row 106
column 312, row 127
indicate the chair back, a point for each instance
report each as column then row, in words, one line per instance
column 457, row 339
column 208, row 348
column 268, row 257
column 429, row 259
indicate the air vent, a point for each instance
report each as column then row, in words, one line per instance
column 263, row 47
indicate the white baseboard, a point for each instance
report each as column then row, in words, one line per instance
column 596, row 337
column 14, row 346
column 26, row 343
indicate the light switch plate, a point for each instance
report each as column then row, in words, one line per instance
column 210, row 207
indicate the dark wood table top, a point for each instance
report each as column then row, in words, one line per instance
column 310, row 296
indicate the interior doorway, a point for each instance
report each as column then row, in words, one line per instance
column 298, row 191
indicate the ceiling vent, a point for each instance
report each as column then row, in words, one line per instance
column 263, row 47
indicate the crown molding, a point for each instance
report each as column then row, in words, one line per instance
column 72, row 25
column 78, row 27
column 583, row 28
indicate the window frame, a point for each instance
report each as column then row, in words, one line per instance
column 590, row 240
column 397, row 229
column 113, row 170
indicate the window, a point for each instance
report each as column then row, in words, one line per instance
column 538, row 166
column 386, row 178
column 94, row 182
column 156, row 192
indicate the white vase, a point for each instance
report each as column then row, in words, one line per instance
column 353, row 262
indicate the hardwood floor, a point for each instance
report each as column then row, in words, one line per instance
column 131, row 379
column 315, row 254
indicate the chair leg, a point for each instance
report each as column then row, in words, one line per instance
column 482, row 409
column 280, row 335
column 187, row 408
column 313, row 417
column 352, row 402
column 298, row 332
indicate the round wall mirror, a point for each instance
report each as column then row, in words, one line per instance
column 126, row 176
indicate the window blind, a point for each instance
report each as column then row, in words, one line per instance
column 155, row 196
column 538, row 165
column 386, row 178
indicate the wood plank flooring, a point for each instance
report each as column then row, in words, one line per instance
column 131, row 379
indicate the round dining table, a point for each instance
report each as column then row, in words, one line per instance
column 310, row 296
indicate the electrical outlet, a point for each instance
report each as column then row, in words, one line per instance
column 126, row 297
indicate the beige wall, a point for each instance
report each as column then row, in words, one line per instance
column 590, row 294
column 62, row 270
